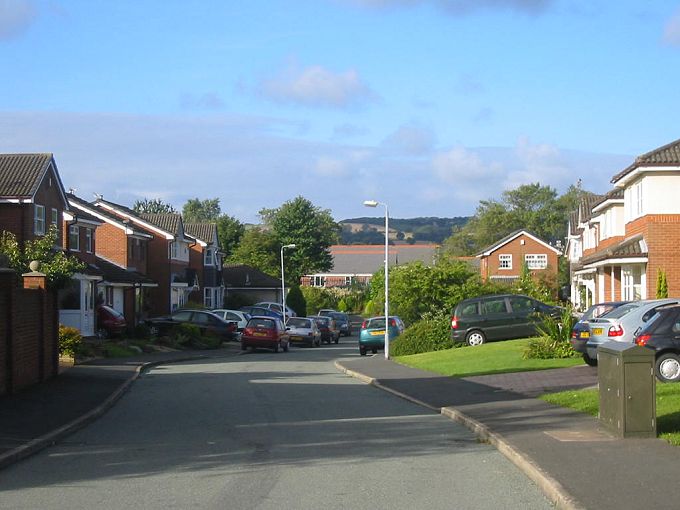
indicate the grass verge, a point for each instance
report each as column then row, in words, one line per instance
column 492, row 358
column 667, row 407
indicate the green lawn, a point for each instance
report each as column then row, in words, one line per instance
column 667, row 407
column 491, row 358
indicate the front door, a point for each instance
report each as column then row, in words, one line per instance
column 87, row 307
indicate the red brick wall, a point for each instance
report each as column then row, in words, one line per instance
column 159, row 270
column 112, row 244
column 28, row 335
column 490, row 265
column 662, row 235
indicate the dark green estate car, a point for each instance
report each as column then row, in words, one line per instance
column 499, row 317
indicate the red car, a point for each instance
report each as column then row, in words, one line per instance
column 109, row 322
column 265, row 332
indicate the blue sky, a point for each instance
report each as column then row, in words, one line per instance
column 426, row 105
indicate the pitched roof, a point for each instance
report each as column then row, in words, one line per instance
column 669, row 154
column 511, row 237
column 21, row 174
column 586, row 207
column 170, row 222
column 369, row 258
column 628, row 248
column 203, row 231
column 84, row 207
column 243, row 276
column 615, row 194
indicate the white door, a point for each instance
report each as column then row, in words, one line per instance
column 119, row 300
column 87, row 307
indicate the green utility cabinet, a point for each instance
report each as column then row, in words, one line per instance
column 627, row 389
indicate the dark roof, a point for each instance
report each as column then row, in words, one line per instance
column 615, row 194
column 116, row 274
column 586, row 206
column 628, row 248
column 369, row 258
column 203, row 231
column 77, row 203
column 170, row 222
column 243, row 276
column 21, row 174
column 669, row 154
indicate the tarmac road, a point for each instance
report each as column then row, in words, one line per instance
column 265, row 430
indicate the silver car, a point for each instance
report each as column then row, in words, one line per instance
column 622, row 323
column 303, row 331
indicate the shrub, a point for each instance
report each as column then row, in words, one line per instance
column 70, row 340
column 554, row 338
column 296, row 300
column 141, row 331
column 184, row 334
column 432, row 333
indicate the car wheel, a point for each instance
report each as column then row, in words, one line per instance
column 244, row 346
column 591, row 362
column 474, row 338
column 374, row 351
column 276, row 347
column 668, row 367
column 337, row 340
column 102, row 334
column 362, row 351
column 285, row 347
column 154, row 331
column 317, row 343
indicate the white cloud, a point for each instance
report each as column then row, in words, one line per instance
column 671, row 32
column 15, row 17
column 330, row 167
column 317, row 86
column 411, row 139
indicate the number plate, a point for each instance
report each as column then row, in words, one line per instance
column 597, row 331
column 295, row 338
column 377, row 333
column 257, row 333
column 585, row 334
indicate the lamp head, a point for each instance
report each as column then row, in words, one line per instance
column 370, row 203
column 289, row 246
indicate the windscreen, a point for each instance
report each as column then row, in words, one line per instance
column 261, row 323
column 298, row 323
column 622, row 310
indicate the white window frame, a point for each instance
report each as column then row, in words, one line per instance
column 74, row 238
column 39, row 219
column 208, row 297
column 319, row 281
column 208, row 258
column 632, row 290
column 505, row 261
column 536, row 260
column 55, row 216
column 174, row 250
column 89, row 238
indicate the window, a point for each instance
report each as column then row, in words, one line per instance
column 74, row 238
column 55, row 216
column 319, row 281
column 634, row 202
column 493, row 306
column 632, row 283
column 505, row 261
column 348, row 281
column 536, row 261
column 88, row 240
column 521, row 304
column 207, row 297
column 39, row 219
column 173, row 250
column 208, row 259
column 468, row 309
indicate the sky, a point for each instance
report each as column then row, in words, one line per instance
column 428, row 106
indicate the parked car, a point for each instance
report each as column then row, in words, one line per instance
column 662, row 334
column 324, row 325
column 372, row 335
column 498, row 317
column 333, row 328
column 342, row 322
column 271, row 305
column 110, row 322
column 303, row 330
column 326, row 312
column 237, row 316
column 581, row 330
column 261, row 312
column 622, row 323
column 206, row 321
column 265, row 332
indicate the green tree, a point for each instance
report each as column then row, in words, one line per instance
column 201, row 211
column 53, row 263
column 153, row 206
column 258, row 249
column 310, row 228
column 661, row 284
column 230, row 231
column 296, row 300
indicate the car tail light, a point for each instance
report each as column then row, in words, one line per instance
column 363, row 325
column 615, row 331
column 454, row 322
column 642, row 340
column 248, row 331
column 573, row 333
column 393, row 322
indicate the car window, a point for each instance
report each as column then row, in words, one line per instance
column 294, row 322
column 676, row 326
column 262, row 323
column 376, row 323
column 201, row 318
column 597, row 311
column 112, row 311
column 467, row 309
column 493, row 306
column 521, row 304
column 232, row 316
column 622, row 310
column 182, row 316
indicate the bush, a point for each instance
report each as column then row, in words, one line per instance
column 141, row 331
column 554, row 340
column 185, row 334
column 296, row 300
column 432, row 333
column 70, row 341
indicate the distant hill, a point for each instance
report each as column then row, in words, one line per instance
column 368, row 230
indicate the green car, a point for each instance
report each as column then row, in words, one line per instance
column 372, row 336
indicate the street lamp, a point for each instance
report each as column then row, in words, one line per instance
column 374, row 203
column 283, row 283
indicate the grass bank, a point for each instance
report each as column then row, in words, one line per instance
column 491, row 358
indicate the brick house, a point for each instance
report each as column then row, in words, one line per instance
column 32, row 196
column 503, row 260
column 619, row 241
column 356, row 263
column 121, row 258
column 205, row 258
column 167, row 256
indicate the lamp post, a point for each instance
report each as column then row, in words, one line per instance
column 283, row 283
column 373, row 203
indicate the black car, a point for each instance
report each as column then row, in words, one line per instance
column 342, row 322
column 498, row 317
column 206, row 322
column 580, row 333
column 662, row 333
